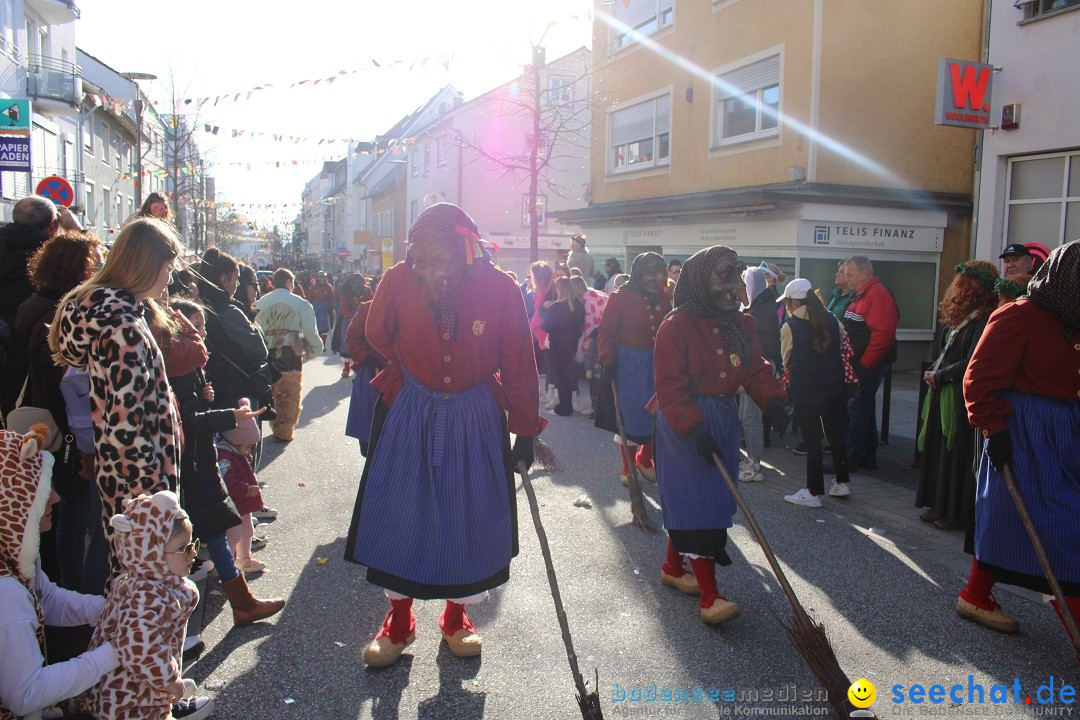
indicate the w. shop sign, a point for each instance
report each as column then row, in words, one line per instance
column 963, row 94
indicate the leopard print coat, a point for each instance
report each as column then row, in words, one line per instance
column 24, row 494
column 144, row 616
column 136, row 424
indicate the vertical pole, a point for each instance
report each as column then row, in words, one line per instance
column 138, row 149
column 534, row 228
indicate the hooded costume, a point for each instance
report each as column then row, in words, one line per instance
column 703, row 355
column 626, row 339
column 435, row 515
column 136, row 422
column 144, row 616
column 1022, row 391
column 28, row 599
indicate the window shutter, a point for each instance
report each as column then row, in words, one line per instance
column 663, row 114
column 633, row 123
column 636, row 12
column 750, row 77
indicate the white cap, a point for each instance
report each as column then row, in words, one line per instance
column 796, row 290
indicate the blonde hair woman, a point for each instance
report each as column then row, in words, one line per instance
column 100, row 326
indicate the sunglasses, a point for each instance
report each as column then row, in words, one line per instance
column 190, row 550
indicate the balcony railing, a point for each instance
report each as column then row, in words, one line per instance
column 51, row 79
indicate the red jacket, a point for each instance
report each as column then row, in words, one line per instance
column 870, row 321
column 238, row 476
column 494, row 343
column 693, row 359
column 1022, row 348
column 630, row 320
column 356, row 342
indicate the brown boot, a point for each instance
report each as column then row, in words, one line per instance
column 246, row 608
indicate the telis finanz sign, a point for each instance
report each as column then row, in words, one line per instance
column 963, row 94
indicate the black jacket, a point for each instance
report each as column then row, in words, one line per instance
column 202, row 491
column 17, row 243
column 767, row 324
column 43, row 389
column 237, row 350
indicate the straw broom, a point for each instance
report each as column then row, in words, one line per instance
column 588, row 702
column 1044, row 561
column 637, row 499
column 805, row 634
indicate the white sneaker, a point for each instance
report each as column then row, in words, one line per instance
column 265, row 513
column 839, row 489
column 803, row 497
column 750, row 472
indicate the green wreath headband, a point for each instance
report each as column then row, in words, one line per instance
column 985, row 279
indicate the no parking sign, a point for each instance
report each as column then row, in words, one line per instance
column 57, row 189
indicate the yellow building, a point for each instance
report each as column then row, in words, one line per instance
column 795, row 131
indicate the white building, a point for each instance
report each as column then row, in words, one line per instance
column 37, row 62
column 1029, row 189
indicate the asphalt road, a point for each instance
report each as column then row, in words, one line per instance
column 889, row 614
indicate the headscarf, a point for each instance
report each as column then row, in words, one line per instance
column 446, row 221
column 1056, row 286
column 692, row 295
column 648, row 263
column 755, row 283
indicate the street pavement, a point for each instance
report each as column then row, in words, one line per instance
column 883, row 583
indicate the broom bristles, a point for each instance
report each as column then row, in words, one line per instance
column 809, row 639
column 544, row 456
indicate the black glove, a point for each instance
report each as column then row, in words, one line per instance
column 705, row 444
column 999, row 448
column 522, row 452
column 778, row 415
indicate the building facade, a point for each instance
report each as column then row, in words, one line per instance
column 1029, row 184
column 37, row 62
column 794, row 132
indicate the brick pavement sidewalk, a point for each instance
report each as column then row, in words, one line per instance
column 883, row 499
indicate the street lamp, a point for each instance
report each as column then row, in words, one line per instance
column 137, row 93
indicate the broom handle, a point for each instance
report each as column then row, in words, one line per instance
column 1044, row 561
column 754, row 528
column 637, row 497
column 545, row 549
column 627, row 455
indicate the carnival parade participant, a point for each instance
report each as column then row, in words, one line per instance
column 946, row 441
column 626, row 341
column 705, row 350
column 368, row 362
column 1022, row 391
column 435, row 515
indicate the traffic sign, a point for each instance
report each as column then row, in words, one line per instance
column 15, row 116
column 57, row 189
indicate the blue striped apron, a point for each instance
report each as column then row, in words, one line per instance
column 636, row 388
column 693, row 496
column 1046, row 464
column 361, row 406
column 436, row 509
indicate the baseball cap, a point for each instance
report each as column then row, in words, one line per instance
column 1015, row 249
column 797, row 289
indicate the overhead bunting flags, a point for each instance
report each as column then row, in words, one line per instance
column 442, row 60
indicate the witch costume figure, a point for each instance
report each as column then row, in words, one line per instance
column 1022, row 391
column 626, row 338
column 705, row 350
column 435, row 516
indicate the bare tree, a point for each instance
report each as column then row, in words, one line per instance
column 557, row 115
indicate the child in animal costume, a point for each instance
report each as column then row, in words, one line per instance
column 28, row 599
column 146, row 611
